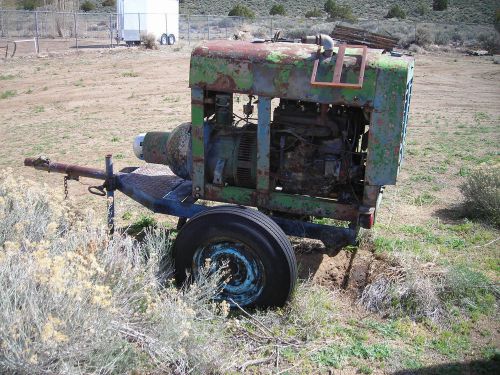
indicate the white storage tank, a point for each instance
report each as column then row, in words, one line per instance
column 141, row 17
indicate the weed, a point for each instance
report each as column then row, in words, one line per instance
column 127, row 215
column 337, row 355
column 115, row 139
column 79, row 83
column 424, row 199
column 39, row 109
column 144, row 221
column 386, row 330
column 464, row 171
column 365, row 369
column 5, row 77
column 481, row 116
column 130, row 74
column 29, row 91
column 469, row 289
column 8, row 94
column 119, row 156
column 451, row 344
column 332, row 356
column 174, row 99
column 422, row 177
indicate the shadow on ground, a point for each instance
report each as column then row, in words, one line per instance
column 479, row 367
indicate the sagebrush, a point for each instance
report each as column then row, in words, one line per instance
column 73, row 300
column 481, row 192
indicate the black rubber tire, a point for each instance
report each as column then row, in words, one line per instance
column 260, row 235
column 171, row 39
column 164, row 39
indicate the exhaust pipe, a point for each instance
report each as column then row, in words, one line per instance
column 321, row 40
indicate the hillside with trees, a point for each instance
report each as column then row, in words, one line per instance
column 450, row 11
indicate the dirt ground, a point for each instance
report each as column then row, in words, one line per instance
column 78, row 106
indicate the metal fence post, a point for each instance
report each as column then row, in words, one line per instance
column 139, row 18
column 208, row 28
column 1, row 24
column 37, row 44
column 110, row 31
column 271, row 27
column 189, row 30
column 166, row 24
column 76, row 29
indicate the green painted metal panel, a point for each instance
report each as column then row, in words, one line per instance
column 283, row 70
column 197, row 141
column 290, row 203
column 263, row 145
column 388, row 123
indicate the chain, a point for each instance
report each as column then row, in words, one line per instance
column 66, row 178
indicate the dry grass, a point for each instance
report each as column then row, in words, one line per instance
column 409, row 287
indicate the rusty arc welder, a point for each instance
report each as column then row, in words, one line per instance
column 320, row 135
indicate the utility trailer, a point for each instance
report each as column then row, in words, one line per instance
column 320, row 135
column 136, row 18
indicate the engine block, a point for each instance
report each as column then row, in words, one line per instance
column 328, row 133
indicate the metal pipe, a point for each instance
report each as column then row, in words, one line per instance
column 71, row 170
column 321, row 40
column 110, row 193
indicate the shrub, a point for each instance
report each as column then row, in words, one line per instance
column 422, row 9
column 338, row 12
column 240, row 10
column 490, row 42
column 30, row 4
column 315, row 13
column 149, row 41
column 423, row 37
column 457, row 38
column 442, row 38
column 396, row 12
column 277, row 10
column 414, row 48
column 109, row 3
column 481, row 192
column 73, row 300
column 497, row 20
column 440, row 5
column 87, row 6
column 297, row 33
column 419, row 292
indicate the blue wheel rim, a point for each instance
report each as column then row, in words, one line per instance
column 246, row 271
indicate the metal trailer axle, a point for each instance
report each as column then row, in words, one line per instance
column 168, row 194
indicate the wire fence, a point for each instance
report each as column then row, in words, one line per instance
column 49, row 30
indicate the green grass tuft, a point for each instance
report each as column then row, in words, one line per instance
column 8, row 94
